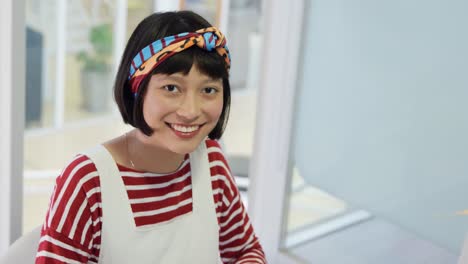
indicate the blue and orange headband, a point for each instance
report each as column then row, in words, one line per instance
column 155, row 53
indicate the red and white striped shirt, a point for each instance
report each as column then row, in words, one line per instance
column 72, row 229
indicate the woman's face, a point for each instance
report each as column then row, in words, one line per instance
column 182, row 109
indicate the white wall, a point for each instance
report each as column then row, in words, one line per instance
column 382, row 115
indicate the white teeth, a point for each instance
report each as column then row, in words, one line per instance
column 185, row 129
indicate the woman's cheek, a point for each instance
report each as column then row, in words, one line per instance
column 215, row 109
column 155, row 111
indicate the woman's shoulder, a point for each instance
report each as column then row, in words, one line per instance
column 80, row 163
column 215, row 151
column 81, row 168
column 214, row 144
column 217, row 159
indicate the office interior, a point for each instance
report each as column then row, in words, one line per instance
column 376, row 136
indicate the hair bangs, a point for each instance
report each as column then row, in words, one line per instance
column 209, row 63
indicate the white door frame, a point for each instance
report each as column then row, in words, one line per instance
column 270, row 170
column 12, row 110
column 120, row 32
column 61, row 27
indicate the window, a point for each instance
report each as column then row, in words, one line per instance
column 69, row 72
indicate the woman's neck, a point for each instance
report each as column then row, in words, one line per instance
column 147, row 156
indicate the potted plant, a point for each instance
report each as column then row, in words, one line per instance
column 96, row 69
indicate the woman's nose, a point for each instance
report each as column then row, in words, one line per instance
column 189, row 109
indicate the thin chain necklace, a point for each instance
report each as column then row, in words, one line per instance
column 129, row 157
column 128, row 152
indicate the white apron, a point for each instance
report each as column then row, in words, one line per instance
column 191, row 238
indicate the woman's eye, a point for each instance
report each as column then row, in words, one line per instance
column 171, row 88
column 210, row 90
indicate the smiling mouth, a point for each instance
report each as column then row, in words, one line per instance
column 186, row 129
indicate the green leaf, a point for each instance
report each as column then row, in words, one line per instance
column 99, row 59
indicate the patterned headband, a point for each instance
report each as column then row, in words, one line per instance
column 155, row 53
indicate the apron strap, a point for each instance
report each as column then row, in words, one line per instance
column 113, row 191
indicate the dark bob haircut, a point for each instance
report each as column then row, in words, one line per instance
column 152, row 28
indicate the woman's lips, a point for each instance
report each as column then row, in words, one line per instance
column 184, row 131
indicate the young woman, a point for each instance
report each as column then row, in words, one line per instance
column 163, row 192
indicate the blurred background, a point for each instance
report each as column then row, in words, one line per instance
column 379, row 148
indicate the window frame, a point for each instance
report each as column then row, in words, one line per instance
column 12, row 102
column 270, row 166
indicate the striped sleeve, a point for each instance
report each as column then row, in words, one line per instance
column 237, row 240
column 71, row 231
